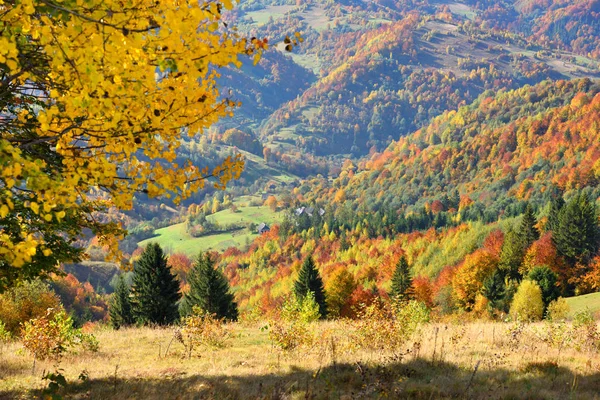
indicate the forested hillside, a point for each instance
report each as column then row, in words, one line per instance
column 451, row 198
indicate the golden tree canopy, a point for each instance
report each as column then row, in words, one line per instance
column 94, row 98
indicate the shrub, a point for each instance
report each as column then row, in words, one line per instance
column 583, row 318
column 527, row 304
column 410, row 316
column 585, row 331
column 289, row 336
column 305, row 309
column 5, row 335
column 292, row 330
column 24, row 302
column 52, row 335
column 557, row 310
column 203, row 329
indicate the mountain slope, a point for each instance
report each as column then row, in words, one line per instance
column 515, row 145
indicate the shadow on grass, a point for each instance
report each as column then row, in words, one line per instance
column 416, row 379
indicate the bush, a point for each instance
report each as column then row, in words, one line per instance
column 24, row 302
column 527, row 304
column 557, row 310
column 203, row 329
column 5, row 335
column 53, row 334
column 583, row 318
column 410, row 316
column 305, row 309
column 292, row 330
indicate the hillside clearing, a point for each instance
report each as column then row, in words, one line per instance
column 580, row 303
column 175, row 238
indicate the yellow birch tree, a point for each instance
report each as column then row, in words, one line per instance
column 94, row 97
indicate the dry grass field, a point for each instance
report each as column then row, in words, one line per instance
column 457, row 360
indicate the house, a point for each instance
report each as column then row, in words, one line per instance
column 262, row 228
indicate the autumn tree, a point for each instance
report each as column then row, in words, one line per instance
column 271, row 202
column 94, row 98
column 309, row 280
column 339, row 289
column 470, row 276
column 120, row 305
column 401, row 280
column 209, row 290
column 155, row 290
column 527, row 305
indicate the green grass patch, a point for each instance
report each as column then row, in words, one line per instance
column 580, row 303
column 175, row 239
column 261, row 17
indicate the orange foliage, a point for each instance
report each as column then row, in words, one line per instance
column 422, row 290
column 469, row 277
column 493, row 242
column 180, row 265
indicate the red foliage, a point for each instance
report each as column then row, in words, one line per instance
column 423, row 290
column 493, row 242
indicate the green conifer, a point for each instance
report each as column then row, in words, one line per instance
column 209, row 290
column 309, row 280
column 528, row 233
column 401, row 280
column 155, row 290
column 577, row 236
column 556, row 206
column 511, row 255
column 120, row 305
column 494, row 289
column 546, row 280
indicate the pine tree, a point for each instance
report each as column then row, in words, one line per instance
column 511, row 255
column 120, row 305
column 494, row 289
column 155, row 290
column 577, row 236
column 209, row 290
column 401, row 280
column 546, row 280
column 309, row 280
column 554, row 214
column 528, row 233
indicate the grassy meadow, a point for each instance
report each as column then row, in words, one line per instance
column 589, row 301
column 175, row 239
column 444, row 360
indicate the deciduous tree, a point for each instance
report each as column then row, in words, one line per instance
column 94, row 98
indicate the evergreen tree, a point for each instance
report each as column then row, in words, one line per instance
column 209, row 290
column 546, row 280
column 155, row 290
column 494, row 289
column 309, row 280
column 511, row 255
column 528, row 233
column 401, row 280
column 556, row 206
column 120, row 305
column 577, row 236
